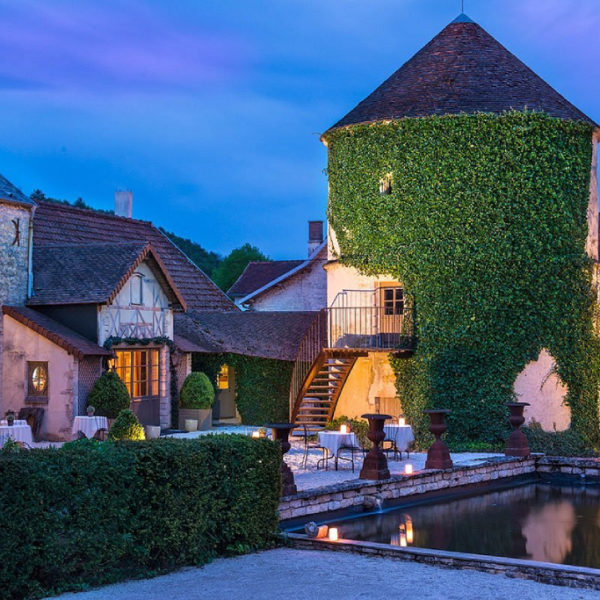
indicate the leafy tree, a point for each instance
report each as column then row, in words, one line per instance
column 206, row 260
column 231, row 267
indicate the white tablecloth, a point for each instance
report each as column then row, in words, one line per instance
column 17, row 433
column 17, row 422
column 401, row 435
column 88, row 425
column 334, row 440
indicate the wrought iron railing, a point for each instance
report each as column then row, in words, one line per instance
column 365, row 324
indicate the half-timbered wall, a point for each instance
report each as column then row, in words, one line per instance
column 124, row 318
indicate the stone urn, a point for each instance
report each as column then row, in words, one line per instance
column 10, row 418
column 281, row 433
column 517, row 445
column 375, row 464
column 438, row 456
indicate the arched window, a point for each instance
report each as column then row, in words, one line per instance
column 136, row 288
column 38, row 379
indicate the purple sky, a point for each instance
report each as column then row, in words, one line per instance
column 210, row 111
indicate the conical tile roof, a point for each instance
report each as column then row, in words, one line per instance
column 461, row 70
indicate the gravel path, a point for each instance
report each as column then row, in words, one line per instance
column 322, row 575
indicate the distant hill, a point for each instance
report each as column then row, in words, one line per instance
column 206, row 260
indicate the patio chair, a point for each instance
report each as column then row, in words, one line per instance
column 353, row 450
column 307, row 435
column 101, row 435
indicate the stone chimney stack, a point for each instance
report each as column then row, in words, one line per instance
column 124, row 203
column 315, row 235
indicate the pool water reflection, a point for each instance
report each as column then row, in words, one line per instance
column 537, row 521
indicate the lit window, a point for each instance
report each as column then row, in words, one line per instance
column 223, row 378
column 139, row 370
column 37, row 378
column 136, row 289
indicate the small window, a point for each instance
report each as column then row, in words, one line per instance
column 37, row 373
column 223, row 378
column 393, row 301
column 136, row 288
column 385, row 185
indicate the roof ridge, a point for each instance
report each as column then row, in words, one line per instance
column 94, row 211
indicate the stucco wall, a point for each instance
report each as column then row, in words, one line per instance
column 539, row 385
column 153, row 318
column 21, row 345
column 370, row 388
column 303, row 291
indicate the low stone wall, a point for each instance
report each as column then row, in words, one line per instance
column 352, row 493
column 582, row 467
column 550, row 573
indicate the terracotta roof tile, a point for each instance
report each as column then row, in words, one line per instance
column 461, row 70
column 57, row 333
column 55, row 224
column 257, row 274
column 262, row 334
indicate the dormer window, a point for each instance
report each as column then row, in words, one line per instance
column 136, row 289
column 385, row 185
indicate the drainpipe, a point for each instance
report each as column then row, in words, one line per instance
column 30, row 253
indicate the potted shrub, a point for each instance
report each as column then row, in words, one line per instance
column 126, row 427
column 10, row 418
column 90, row 410
column 108, row 396
column 197, row 397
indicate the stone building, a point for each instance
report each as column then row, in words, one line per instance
column 462, row 71
column 286, row 285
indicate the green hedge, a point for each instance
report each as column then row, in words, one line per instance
column 263, row 384
column 486, row 227
column 91, row 513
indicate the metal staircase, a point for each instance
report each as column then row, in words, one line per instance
column 333, row 343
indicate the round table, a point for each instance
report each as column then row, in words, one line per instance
column 334, row 440
column 401, row 435
column 88, row 425
column 17, row 433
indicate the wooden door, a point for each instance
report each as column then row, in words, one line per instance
column 391, row 310
column 224, row 406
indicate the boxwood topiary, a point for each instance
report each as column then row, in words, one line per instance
column 197, row 392
column 109, row 395
column 126, row 427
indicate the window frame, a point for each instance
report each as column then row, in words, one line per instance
column 136, row 279
column 32, row 393
column 139, row 374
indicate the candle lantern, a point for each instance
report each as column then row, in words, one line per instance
column 344, row 428
column 333, row 534
column 408, row 469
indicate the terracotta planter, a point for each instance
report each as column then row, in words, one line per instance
column 202, row 415
column 438, row 456
column 281, row 432
column 517, row 445
column 375, row 464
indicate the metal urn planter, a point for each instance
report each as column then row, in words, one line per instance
column 375, row 464
column 438, row 456
column 517, row 445
column 281, row 432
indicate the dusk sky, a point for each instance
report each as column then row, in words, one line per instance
column 210, row 110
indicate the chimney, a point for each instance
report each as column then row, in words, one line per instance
column 124, row 203
column 315, row 235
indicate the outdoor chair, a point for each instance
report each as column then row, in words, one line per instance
column 309, row 443
column 358, row 450
column 101, row 435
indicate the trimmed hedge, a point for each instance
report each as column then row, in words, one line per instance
column 197, row 392
column 127, row 427
column 92, row 513
column 109, row 395
column 557, row 443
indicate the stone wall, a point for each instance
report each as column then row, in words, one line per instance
column 352, row 493
column 14, row 254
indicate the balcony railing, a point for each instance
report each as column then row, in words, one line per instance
column 355, row 321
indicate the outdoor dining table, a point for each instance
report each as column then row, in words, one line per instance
column 19, row 432
column 88, row 425
column 401, row 435
column 332, row 441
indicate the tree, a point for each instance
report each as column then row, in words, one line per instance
column 207, row 261
column 231, row 267
column 109, row 395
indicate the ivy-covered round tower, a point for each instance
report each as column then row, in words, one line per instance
column 473, row 182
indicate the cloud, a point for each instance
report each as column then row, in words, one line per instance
column 112, row 45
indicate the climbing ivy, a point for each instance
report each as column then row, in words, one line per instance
column 486, row 226
column 263, row 384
